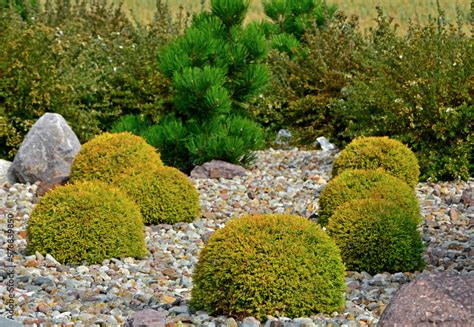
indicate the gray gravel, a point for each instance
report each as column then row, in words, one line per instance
column 280, row 181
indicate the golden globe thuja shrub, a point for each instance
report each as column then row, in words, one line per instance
column 86, row 222
column 164, row 194
column 376, row 235
column 259, row 265
column 361, row 184
column 379, row 152
column 109, row 155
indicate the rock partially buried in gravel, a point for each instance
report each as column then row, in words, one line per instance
column 218, row 169
column 6, row 175
column 47, row 152
column 436, row 299
column 147, row 318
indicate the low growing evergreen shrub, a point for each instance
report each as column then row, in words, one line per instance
column 376, row 236
column 86, row 222
column 362, row 184
column 108, row 155
column 279, row 265
column 379, row 152
column 164, row 194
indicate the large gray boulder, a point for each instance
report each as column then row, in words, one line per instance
column 218, row 169
column 437, row 299
column 47, row 152
column 5, row 174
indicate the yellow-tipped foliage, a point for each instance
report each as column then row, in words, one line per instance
column 86, row 222
column 109, row 155
column 164, row 194
column 376, row 235
column 362, row 184
column 280, row 265
column 379, row 152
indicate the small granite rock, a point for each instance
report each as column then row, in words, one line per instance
column 6, row 175
column 250, row 322
column 218, row 169
column 147, row 318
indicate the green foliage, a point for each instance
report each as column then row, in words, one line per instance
column 376, row 236
column 133, row 123
column 164, row 194
column 216, row 70
column 86, row 222
column 279, row 265
column 362, row 184
column 25, row 8
column 304, row 85
column 87, row 62
column 417, row 88
column 292, row 18
column 109, row 155
column 184, row 146
column 379, row 152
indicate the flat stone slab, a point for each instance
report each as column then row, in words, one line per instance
column 436, row 299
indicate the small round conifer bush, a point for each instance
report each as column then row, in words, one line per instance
column 86, row 222
column 361, row 184
column 376, row 235
column 164, row 194
column 379, row 152
column 109, row 155
column 258, row 265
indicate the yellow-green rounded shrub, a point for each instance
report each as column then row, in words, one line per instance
column 164, row 194
column 376, row 235
column 379, row 152
column 279, row 265
column 109, row 155
column 86, row 222
column 361, row 184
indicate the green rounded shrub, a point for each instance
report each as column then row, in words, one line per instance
column 379, row 152
column 86, row 222
column 164, row 194
column 362, row 184
column 258, row 265
column 376, row 235
column 109, row 155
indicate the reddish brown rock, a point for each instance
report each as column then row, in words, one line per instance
column 147, row 318
column 218, row 169
column 437, row 299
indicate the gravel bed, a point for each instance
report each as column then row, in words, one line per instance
column 280, row 181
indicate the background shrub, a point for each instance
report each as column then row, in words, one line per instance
column 260, row 265
column 86, row 61
column 377, row 235
column 164, row 194
column 379, row 152
column 417, row 88
column 86, row 222
column 362, row 184
column 109, row 155
column 303, row 86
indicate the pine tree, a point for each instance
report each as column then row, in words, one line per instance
column 216, row 69
column 291, row 18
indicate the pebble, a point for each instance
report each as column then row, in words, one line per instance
column 286, row 181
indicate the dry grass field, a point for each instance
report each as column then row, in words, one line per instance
column 401, row 10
